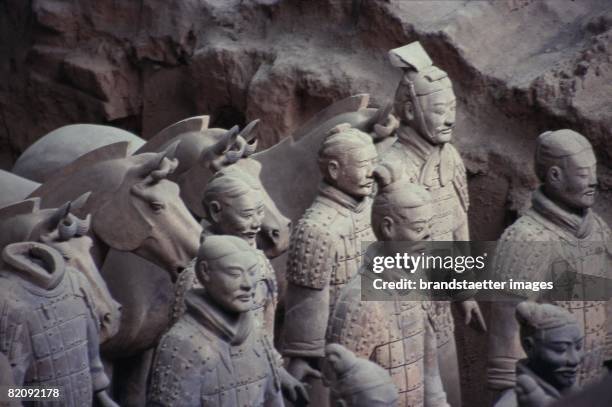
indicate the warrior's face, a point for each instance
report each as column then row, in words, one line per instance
column 241, row 216
column 406, row 224
column 556, row 353
column 574, row 182
column 439, row 110
column 229, row 281
column 353, row 174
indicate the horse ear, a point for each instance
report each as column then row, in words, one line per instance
column 225, row 142
column 80, row 201
column 126, row 237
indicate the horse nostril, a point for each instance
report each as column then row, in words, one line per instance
column 107, row 318
column 275, row 233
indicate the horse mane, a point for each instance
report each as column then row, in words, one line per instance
column 346, row 105
column 83, row 175
column 191, row 124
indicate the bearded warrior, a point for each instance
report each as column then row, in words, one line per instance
column 554, row 344
column 558, row 236
column 325, row 250
column 425, row 104
column 215, row 354
column 397, row 335
column 48, row 327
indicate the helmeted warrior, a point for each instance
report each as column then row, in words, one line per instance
column 357, row 382
column 558, row 236
column 215, row 355
column 48, row 327
column 425, row 104
column 325, row 249
column 554, row 343
column 396, row 334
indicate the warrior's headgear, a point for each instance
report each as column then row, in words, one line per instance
column 536, row 318
column 420, row 78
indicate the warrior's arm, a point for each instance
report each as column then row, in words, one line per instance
column 310, row 265
column 15, row 337
column 98, row 377
column 434, row 391
column 306, row 317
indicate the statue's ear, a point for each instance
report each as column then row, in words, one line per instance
column 120, row 224
column 554, row 176
column 203, row 272
column 333, row 169
column 214, row 211
column 387, row 226
column 408, row 110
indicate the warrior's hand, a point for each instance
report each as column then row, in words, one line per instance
column 104, row 400
column 293, row 389
column 529, row 394
column 300, row 369
column 471, row 310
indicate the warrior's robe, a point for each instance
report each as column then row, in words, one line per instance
column 206, row 359
column 48, row 326
column 324, row 254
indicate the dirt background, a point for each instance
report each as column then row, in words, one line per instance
column 520, row 67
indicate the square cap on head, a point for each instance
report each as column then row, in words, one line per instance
column 411, row 56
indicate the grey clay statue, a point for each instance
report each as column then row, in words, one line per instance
column 357, row 382
column 49, row 329
column 425, row 104
column 558, row 234
column 325, row 250
column 554, row 344
column 65, row 232
column 396, row 334
column 234, row 205
column 215, row 355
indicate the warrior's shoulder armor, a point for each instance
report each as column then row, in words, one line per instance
column 312, row 253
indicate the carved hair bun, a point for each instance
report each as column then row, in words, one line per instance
column 387, row 174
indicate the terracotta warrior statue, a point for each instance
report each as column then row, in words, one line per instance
column 234, row 205
column 325, row 249
column 559, row 235
column 554, row 344
column 396, row 334
column 215, row 354
column 49, row 328
column 425, row 104
column 357, row 382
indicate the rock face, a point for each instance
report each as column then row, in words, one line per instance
column 519, row 67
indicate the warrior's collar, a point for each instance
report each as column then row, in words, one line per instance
column 233, row 330
column 334, row 194
column 579, row 226
column 549, row 389
column 36, row 263
column 438, row 157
